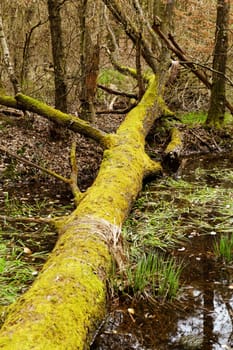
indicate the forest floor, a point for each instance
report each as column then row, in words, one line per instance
column 31, row 140
column 27, row 191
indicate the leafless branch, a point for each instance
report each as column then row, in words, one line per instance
column 31, row 164
column 184, row 60
column 39, row 220
column 116, row 92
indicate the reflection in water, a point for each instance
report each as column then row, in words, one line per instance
column 208, row 301
column 206, row 325
column 209, row 328
column 203, row 321
column 209, row 325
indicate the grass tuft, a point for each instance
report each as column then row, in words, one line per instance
column 155, row 275
column 15, row 273
column 223, row 248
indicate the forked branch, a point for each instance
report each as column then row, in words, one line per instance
column 185, row 61
column 72, row 181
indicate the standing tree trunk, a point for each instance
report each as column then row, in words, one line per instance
column 89, row 66
column 54, row 7
column 218, row 91
column 6, row 57
column 165, row 11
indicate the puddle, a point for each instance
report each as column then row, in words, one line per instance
column 202, row 318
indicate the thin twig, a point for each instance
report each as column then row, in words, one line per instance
column 117, row 111
column 116, row 92
column 39, row 220
column 31, row 164
column 174, row 47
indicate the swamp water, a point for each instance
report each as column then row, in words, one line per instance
column 199, row 206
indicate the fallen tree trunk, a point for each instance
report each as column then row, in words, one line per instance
column 171, row 155
column 63, row 307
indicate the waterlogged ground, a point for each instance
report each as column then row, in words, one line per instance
column 24, row 246
column 198, row 206
column 183, row 218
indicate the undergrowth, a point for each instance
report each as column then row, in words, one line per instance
column 223, row 248
column 196, row 118
column 167, row 215
column 16, row 272
column 24, row 247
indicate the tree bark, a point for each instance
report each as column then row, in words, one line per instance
column 6, row 57
column 132, row 31
column 171, row 155
column 89, row 67
column 63, row 307
column 218, row 91
column 54, row 8
column 165, row 11
column 185, row 61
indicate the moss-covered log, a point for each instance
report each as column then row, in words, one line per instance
column 65, row 304
column 171, row 156
column 26, row 103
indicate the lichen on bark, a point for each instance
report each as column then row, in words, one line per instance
column 64, row 305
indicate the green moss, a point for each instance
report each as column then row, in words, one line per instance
column 151, row 106
column 123, row 167
column 65, row 303
column 70, row 294
column 194, row 118
column 152, row 167
column 112, row 76
column 72, row 122
column 228, row 119
column 176, row 141
column 8, row 101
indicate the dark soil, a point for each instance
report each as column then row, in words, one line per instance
column 31, row 139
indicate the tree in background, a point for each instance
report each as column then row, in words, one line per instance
column 68, row 299
column 218, row 91
column 54, row 11
column 89, row 65
column 7, row 58
column 165, row 12
column 66, row 303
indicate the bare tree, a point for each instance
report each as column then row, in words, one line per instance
column 54, row 10
column 6, row 57
column 89, row 66
column 67, row 301
column 218, row 91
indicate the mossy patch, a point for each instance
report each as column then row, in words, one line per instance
column 66, row 302
column 70, row 294
column 176, row 141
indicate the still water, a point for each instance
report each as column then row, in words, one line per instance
column 202, row 318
